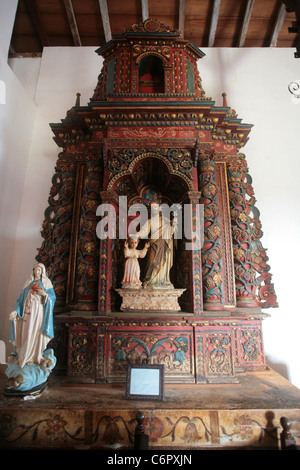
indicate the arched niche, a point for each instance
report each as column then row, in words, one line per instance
column 151, row 75
column 151, row 177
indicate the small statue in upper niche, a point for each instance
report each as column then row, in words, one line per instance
column 131, row 278
column 32, row 328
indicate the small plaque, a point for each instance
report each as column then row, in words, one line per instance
column 145, row 382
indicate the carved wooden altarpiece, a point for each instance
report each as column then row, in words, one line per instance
column 150, row 131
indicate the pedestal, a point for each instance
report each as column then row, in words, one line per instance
column 150, row 300
column 207, row 349
column 33, row 393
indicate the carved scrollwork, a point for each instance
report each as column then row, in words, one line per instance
column 250, row 256
column 119, row 160
column 139, row 52
column 219, row 355
column 181, row 160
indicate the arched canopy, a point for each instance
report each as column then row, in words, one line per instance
column 151, row 174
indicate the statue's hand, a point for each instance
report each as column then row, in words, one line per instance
column 13, row 315
column 40, row 292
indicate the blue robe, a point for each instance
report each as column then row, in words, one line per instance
column 47, row 327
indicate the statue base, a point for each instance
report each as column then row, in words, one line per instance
column 34, row 392
column 31, row 379
column 150, row 300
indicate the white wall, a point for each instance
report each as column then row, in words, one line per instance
column 62, row 73
column 256, row 82
column 16, row 123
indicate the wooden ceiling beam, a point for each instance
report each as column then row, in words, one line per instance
column 105, row 20
column 181, row 16
column 245, row 24
column 145, row 10
column 278, row 25
column 38, row 24
column 214, row 23
column 72, row 22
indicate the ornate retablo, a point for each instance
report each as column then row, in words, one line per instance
column 150, row 134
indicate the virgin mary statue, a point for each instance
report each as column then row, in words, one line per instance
column 32, row 319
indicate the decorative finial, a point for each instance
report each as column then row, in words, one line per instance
column 224, row 100
column 72, row 113
column 77, row 102
column 141, row 439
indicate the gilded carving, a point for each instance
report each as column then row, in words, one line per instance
column 152, row 348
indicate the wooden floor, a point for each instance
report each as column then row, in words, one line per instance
column 92, row 416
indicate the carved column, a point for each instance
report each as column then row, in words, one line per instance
column 195, row 254
column 228, row 275
column 245, row 275
column 72, row 268
column 60, row 249
column 87, row 257
column 211, row 250
column 105, row 265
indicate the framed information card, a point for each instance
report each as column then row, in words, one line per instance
column 145, row 382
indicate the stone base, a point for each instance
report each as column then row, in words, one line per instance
column 150, row 300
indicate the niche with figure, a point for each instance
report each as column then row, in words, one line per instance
column 151, row 75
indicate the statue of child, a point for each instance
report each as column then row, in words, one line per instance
column 131, row 278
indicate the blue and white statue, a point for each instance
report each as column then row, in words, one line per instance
column 32, row 328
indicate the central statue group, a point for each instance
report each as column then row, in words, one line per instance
column 159, row 251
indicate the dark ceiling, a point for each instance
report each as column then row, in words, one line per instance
column 206, row 23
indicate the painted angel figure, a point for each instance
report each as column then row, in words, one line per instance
column 32, row 319
column 131, row 278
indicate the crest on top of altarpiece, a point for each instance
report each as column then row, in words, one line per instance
column 152, row 25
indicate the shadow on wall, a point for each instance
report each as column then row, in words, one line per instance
column 280, row 368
